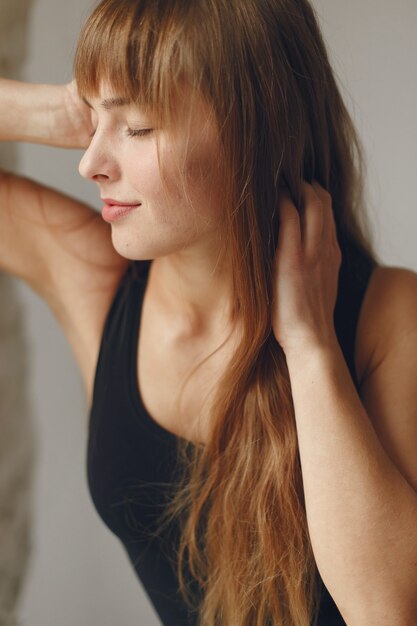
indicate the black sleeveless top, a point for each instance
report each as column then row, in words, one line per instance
column 131, row 459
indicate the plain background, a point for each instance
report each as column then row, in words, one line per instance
column 79, row 573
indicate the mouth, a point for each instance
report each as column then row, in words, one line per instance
column 113, row 210
column 112, row 202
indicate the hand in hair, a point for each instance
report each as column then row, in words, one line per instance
column 306, row 269
column 52, row 115
column 77, row 122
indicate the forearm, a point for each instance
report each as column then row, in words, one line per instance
column 361, row 512
column 36, row 113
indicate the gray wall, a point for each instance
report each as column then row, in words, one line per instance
column 79, row 573
column 17, row 441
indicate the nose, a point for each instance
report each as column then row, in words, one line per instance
column 98, row 161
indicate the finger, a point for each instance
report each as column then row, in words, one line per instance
column 289, row 224
column 330, row 239
column 326, row 199
column 313, row 219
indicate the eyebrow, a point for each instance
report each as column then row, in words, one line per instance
column 110, row 103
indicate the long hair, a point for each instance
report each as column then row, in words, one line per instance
column 263, row 67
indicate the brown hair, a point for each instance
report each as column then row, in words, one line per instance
column 263, row 67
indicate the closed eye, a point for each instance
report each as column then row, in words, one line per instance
column 141, row 132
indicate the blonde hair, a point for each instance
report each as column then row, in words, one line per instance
column 263, row 67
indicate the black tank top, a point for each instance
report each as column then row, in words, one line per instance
column 131, row 459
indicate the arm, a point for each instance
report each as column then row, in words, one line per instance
column 58, row 245
column 40, row 229
column 46, row 114
column 361, row 509
column 55, row 243
column 357, row 453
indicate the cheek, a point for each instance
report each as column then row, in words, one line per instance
column 197, row 183
column 206, row 182
column 145, row 176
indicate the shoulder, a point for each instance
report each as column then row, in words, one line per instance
column 388, row 315
column 387, row 353
column 81, row 302
column 63, row 249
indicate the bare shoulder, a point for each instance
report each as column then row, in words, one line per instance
column 388, row 315
column 63, row 249
column 82, row 285
column 387, row 352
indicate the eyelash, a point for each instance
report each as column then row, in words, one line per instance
column 142, row 132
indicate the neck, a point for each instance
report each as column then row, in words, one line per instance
column 195, row 296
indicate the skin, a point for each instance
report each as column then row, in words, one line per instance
column 361, row 508
column 353, row 446
column 307, row 264
column 178, row 225
column 357, row 447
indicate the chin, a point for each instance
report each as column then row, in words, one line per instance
column 126, row 249
column 131, row 254
column 134, row 251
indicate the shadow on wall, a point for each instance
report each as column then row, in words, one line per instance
column 16, row 432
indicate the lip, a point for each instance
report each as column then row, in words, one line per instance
column 111, row 202
column 114, row 210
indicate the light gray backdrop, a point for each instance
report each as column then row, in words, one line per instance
column 79, row 573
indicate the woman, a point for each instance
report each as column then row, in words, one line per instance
column 252, row 395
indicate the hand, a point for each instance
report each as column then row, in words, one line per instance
column 306, row 268
column 75, row 125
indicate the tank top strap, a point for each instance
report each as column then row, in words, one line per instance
column 354, row 276
column 116, row 341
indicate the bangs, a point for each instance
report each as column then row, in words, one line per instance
column 144, row 51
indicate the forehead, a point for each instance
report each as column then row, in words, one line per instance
column 108, row 98
column 186, row 106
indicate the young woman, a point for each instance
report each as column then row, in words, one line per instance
column 248, row 360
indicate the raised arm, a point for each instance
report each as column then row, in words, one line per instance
column 58, row 245
column 46, row 114
column 40, row 228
